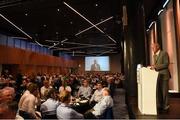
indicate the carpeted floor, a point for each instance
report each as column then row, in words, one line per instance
column 120, row 109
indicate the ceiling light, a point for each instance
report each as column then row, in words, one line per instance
column 58, row 9
column 147, row 30
column 57, row 33
column 160, row 12
column 26, row 14
column 96, row 4
column 44, row 25
column 151, row 24
column 164, row 5
column 71, row 22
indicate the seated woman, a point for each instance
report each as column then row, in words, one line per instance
column 100, row 108
column 48, row 108
column 64, row 111
column 64, row 87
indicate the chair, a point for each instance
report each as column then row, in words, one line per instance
column 49, row 116
column 108, row 114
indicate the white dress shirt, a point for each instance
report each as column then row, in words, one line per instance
column 65, row 112
column 49, row 106
column 68, row 88
column 100, row 107
column 85, row 91
column 27, row 103
column 44, row 89
column 97, row 96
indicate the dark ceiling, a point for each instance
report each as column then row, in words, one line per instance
column 55, row 25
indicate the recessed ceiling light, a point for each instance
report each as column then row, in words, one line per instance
column 57, row 33
column 96, row 4
column 44, row 25
column 71, row 22
column 58, row 9
column 26, row 14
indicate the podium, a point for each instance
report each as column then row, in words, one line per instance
column 147, row 80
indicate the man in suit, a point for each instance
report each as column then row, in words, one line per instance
column 95, row 66
column 161, row 63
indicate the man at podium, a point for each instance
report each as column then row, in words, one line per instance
column 161, row 63
column 95, row 66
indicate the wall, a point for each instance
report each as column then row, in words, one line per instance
column 177, row 27
column 31, row 62
column 169, row 43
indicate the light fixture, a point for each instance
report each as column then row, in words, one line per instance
column 26, row 14
column 44, row 25
column 88, row 21
column 58, row 9
column 160, row 11
column 164, row 5
column 147, row 30
column 96, row 4
column 151, row 24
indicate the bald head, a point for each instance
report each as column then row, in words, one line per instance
column 155, row 47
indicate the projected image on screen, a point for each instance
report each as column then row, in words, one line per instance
column 97, row 63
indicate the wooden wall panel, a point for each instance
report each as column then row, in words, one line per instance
column 10, row 55
column 32, row 63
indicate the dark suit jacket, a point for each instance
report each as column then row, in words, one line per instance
column 161, row 65
column 95, row 67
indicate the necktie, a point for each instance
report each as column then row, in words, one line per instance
column 155, row 58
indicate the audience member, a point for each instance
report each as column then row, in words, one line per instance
column 7, row 95
column 64, row 111
column 28, row 102
column 45, row 88
column 97, row 96
column 85, row 90
column 64, row 87
column 111, row 85
column 101, row 106
column 48, row 108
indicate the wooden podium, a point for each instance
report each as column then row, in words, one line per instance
column 147, row 80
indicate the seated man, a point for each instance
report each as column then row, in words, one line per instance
column 7, row 95
column 64, row 111
column 48, row 108
column 97, row 96
column 45, row 88
column 85, row 90
column 28, row 102
column 99, row 109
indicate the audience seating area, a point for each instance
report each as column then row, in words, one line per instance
column 43, row 90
